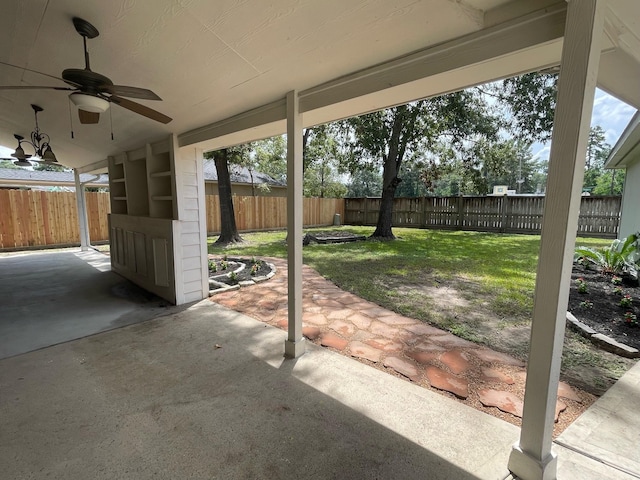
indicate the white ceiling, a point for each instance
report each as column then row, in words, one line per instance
column 210, row 60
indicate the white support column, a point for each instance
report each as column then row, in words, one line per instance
column 81, row 202
column 294, row 345
column 532, row 458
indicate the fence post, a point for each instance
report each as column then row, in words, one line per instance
column 460, row 212
column 366, row 211
column 504, row 206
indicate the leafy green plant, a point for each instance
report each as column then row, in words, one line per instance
column 224, row 265
column 233, row 276
column 254, row 268
column 616, row 280
column 621, row 257
column 212, row 266
column 581, row 285
column 617, row 290
column 586, row 304
column 631, row 318
column 626, row 301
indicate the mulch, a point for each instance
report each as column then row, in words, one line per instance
column 599, row 307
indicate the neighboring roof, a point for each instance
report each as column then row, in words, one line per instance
column 627, row 148
column 239, row 175
column 15, row 176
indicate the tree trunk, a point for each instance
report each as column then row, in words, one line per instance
column 390, row 180
column 228, row 229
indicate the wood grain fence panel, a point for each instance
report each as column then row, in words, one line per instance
column 599, row 216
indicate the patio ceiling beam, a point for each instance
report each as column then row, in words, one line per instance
column 532, row 458
column 94, row 167
column 489, row 52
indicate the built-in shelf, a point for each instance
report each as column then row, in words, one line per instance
column 142, row 181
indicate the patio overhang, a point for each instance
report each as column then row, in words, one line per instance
column 627, row 148
column 272, row 72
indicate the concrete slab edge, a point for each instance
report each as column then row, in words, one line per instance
column 600, row 340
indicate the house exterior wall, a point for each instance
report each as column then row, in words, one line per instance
column 244, row 190
column 190, row 252
column 630, row 216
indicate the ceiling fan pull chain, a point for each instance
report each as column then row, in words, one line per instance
column 70, row 117
column 111, row 121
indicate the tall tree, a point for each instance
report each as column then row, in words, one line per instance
column 321, row 162
column 597, row 152
column 222, row 158
column 387, row 137
column 48, row 167
column 364, row 182
column 529, row 102
column 271, row 157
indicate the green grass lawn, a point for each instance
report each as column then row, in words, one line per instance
column 500, row 269
column 478, row 286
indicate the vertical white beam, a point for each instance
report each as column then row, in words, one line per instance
column 294, row 345
column 81, row 202
column 532, row 458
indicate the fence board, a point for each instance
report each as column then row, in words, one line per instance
column 33, row 218
column 599, row 216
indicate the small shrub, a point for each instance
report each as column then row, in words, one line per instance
column 616, row 280
column 617, row 290
column 212, row 266
column 631, row 318
column 233, row 276
column 621, row 257
column 581, row 285
column 586, row 304
column 626, row 301
column 224, row 265
column 254, row 268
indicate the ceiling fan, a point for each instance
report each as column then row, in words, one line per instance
column 91, row 91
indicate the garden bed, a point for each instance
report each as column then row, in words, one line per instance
column 605, row 305
column 232, row 273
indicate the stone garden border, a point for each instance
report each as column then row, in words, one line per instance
column 218, row 287
column 600, row 340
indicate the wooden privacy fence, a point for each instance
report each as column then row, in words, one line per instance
column 31, row 218
column 270, row 213
column 599, row 216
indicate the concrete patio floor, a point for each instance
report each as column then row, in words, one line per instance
column 206, row 393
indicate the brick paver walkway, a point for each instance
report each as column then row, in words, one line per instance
column 430, row 357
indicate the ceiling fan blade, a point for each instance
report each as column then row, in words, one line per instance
column 140, row 109
column 32, row 87
column 88, row 117
column 131, row 92
column 29, row 70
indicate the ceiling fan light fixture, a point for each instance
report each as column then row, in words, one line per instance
column 19, row 154
column 48, row 156
column 89, row 103
column 22, row 163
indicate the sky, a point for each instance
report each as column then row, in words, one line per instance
column 608, row 112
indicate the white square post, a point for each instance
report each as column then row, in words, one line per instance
column 532, row 458
column 81, row 202
column 294, row 345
